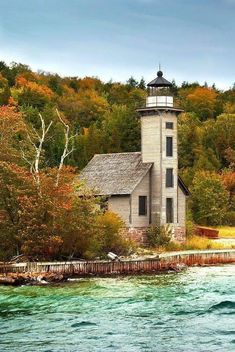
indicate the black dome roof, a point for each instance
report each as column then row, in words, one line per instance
column 159, row 81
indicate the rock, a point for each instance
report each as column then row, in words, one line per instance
column 7, row 280
column 178, row 267
column 18, row 279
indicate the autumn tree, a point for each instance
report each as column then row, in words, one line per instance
column 5, row 92
column 189, row 135
column 15, row 186
column 121, row 130
column 12, row 132
column 200, row 100
column 31, row 93
column 219, row 135
column 210, row 198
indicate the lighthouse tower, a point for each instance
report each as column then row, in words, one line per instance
column 159, row 146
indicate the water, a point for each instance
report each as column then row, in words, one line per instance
column 189, row 311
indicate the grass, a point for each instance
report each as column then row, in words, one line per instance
column 226, row 231
column 197, row 243
column 192, row 243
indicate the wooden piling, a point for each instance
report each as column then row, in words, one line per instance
column 164, row 262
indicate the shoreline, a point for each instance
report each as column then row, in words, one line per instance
column 54, row 272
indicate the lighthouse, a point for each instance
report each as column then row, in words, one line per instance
column 143, row 187
column 159, row 146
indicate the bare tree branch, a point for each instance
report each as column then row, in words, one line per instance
column 66, row 151
column 34, row 165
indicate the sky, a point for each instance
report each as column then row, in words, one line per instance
column 194, row 40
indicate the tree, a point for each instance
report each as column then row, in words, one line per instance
column 67, row 151
column 142, row 84
column 15, row 186
column 200, row 100
column 219, row 135
column 10, row 72
column 210, row 198
column 38, row 148
column 31, row 93
column 83, row 108
column 5, row 92
column 47, row 224
column 121, row 130
column 12, row 131
column 189, row 136
column 132, row 83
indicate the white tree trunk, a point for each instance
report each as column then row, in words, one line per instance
column 66, row 150
column 34, row 165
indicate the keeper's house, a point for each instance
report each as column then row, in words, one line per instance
column 144, row 187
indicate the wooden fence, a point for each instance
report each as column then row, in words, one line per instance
column 104, row 268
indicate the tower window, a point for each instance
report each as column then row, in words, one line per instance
column 142, row 205
column 169, row 125
column 169, row 211
column 169, row 178
column 169, row 146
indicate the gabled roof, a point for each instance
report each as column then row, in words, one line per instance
column 115, row 174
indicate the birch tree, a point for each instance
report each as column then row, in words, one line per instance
column 37, row 146
column 67, row 150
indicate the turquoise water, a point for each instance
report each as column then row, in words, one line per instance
column 190, row 311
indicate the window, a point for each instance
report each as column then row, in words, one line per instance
column 169, row 146
column 169, row 210
column 169, row 125
column 142, row 205
column 169, row 178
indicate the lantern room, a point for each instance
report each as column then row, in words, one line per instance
column 159, row 93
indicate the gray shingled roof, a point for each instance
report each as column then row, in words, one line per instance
column 115, row 174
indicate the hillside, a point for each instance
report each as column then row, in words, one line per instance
column 101, row 118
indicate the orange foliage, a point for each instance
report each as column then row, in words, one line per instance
column 203, row 100
column 11, row 124
column 22, row 82
column 12, row 102
column 22, row 79
column 41, row 89
column 89, row 83
column 85, row 131
column 228, row 179
column 201, row 93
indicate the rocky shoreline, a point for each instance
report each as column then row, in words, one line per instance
column 18, row 279
column 42, row 273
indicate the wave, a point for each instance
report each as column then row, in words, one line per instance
column 228, row 305
column 83, row 324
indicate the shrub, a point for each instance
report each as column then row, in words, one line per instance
column 173, row 246
column 158, row 235
column 109, row 228
column 230, row 218
column 190, row 228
